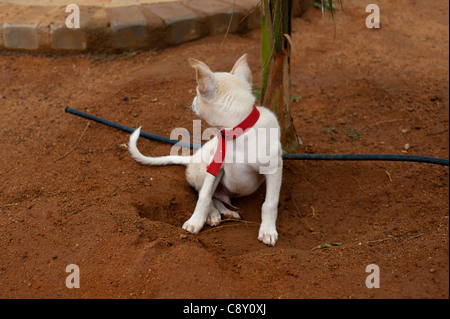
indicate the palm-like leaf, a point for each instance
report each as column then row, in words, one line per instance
column 276, row 25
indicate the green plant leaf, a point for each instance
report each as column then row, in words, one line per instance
column 326, row 245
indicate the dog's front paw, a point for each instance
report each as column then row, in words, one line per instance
column 193, row 226
column 268, row 235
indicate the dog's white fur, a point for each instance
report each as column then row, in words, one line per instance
column 224, row 100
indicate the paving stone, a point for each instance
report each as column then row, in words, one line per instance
column 156, row 28
column 182, row 23
column 20, row 36
column 2, row 45
column 123, row 27
column 244, row 3
column 218, row 15
column 252, row 12
column 62, row 37
column 300, row 6
column 98, row 32
column 3, row 8
column 21, row 28
column 129, row 27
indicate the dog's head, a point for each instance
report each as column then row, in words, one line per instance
column 223, row 98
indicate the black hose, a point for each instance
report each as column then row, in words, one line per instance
column 130, row 129
column 368, row 157
column 288, row 156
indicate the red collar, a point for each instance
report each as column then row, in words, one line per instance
column 228, row 135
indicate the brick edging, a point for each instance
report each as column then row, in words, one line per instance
column 144, row 26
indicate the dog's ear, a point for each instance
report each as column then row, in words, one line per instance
column 242, row 70
column 205, row 77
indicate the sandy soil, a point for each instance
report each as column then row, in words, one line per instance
column 91, row 205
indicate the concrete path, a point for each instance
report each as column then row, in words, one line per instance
column 121, row 25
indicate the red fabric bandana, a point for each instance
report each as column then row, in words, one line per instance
column 228, row 135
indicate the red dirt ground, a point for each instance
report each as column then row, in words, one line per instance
column 120, row 222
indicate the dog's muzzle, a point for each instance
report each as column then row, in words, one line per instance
column 195, row 105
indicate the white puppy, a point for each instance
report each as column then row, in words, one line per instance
column 225, row 101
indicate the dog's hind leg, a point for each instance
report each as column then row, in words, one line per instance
column 225, row 211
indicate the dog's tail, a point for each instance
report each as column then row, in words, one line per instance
column 161, row 160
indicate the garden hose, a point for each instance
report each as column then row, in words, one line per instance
column 287, row 156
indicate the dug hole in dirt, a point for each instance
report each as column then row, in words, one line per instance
column 71, row 194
